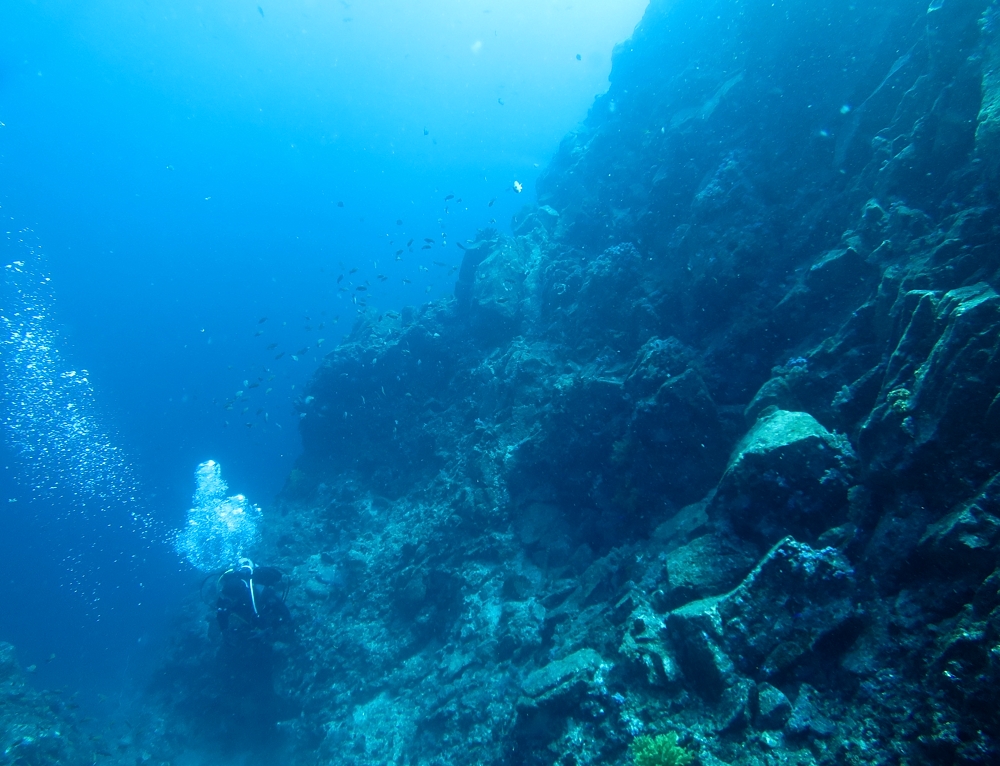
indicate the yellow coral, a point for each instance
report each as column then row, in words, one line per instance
column 661, row 750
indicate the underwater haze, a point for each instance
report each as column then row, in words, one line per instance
column 181, row 171
column 523, row 384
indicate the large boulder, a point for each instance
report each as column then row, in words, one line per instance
column 770, row 622
column 706, row 566
column 788, row 475
column 556, row 691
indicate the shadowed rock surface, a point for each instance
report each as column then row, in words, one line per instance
column 41, row 728
column 708, row 445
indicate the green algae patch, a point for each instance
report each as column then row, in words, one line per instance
column 659, row 750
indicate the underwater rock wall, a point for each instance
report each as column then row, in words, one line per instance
column 42, row 727
column 708, row 446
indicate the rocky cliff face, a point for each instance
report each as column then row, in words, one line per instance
column 709, row 445
column 38, row 728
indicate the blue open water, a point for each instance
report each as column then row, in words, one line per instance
column 182, row 184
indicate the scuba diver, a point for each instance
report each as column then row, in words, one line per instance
column 256, row 624
column 250, row 600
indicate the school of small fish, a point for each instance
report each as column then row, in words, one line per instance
column 358, row 290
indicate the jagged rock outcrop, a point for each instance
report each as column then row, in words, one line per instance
column 788, row 475
column 710, row 444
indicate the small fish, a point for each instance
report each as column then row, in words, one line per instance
column 340, row 279
column 450, row 196
column 262, row 320
column 249, row 425
column 426, row 247
column 254, row 385
column 399, row 221
column 426, row 132
column 491, row 202
column 423, row 268
column 500, row 101
column 169, row 167
column 406, row 281
column 439, row 263
column 460, row 246
column 340, row 204
column 409, row 243
column 280, row 355
column 382, row 277
column 579, row 57
column 361, row 288
column 258, row 333
column 259, row 411
column 271, row 346
column 260, row 11
column 302, row 350
column 428, row 239
column 353, row 271
column 294, row 358
column 399, row 252
column 245, row 411
column 268, row 391
column 320, row 342
column 518, row 187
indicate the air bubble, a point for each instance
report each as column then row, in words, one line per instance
column 219, row 530
column 50, row 415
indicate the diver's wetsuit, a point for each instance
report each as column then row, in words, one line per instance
column 250, row 594
column 251, row 612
